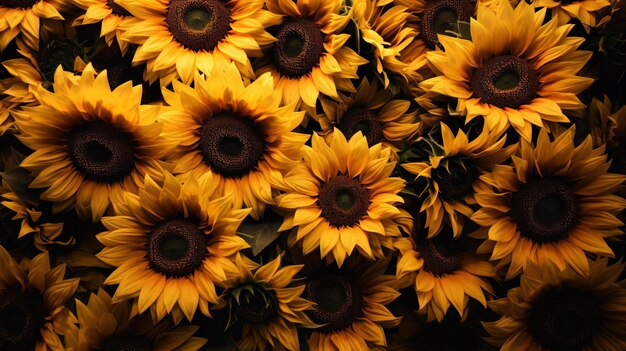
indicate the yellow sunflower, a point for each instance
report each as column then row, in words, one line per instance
column 32, row 303
column 608, row 126
column 351, row 306
column 104, row 325
column 91, row 143
column 310, row 56
column 554, row 204
column 516, row 70
column 113, row 18
column 171, row 245
column 342, row 197
column 554, row 309
column 176, row 38
column 443, row 274
column 268, row 305
column 373, row 112
column 243, row 135
column 583, row 10
column 390, row 31
column 24, row 17
column 453, row 166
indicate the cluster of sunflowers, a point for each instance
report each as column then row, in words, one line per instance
column 312, row 175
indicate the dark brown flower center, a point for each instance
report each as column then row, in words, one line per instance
column 544, row 210
column 364, row 121
column 456, row 181
column 126, row 343
column 198, row 24
column 102, row 152
column 9, row 228
column 18, row 4
column 57, row 52
column 338, row 301
column 299, row 47
column 565, row 320
column 505, row 81
column 440, row 16
column 232, row 145
column 344, row 201
column 22, row 314
column 440, row 253
column 118, row 9
column 177, row 248
column 256, row 306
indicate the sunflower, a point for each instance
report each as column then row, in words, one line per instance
column 556, row 309
column 268, row 305
column 24, row 17
column 91, row 143
column 351, row 305
column 583, row 10
column 310, row 56
column 176, row 38
column 241, row 134
column 388, row 29
column 32, row 299
column 342, row 197
column 103, row 325
column 443, row 274
column 511, row 76
column 608, row 126
column 373, row 112
column 452, row 168
column 554, row 204
column 171, row 245
column 112, row 17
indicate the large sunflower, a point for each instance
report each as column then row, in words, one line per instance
column 241, row 134
column 268, row 304
column 515, row 71
column 104, row 325
column 561, row 310
column 310, row 56
column 443, row 274
column 371, row 111
column 388, row 28
column 176, row 38
column 342, row 197
column 554, row 204
column 350, row 305
column 24, row 17
column 32, row 303
column 171, row 245
column 91, row 143
column 453, row 166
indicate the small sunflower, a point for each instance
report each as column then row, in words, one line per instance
column 556, row 309
column 171, row 245
column 112, row 17
column 91, row 143
column 268, row 305
column 554, row 204
column 342, row 197
column 24, row 17
column 176, row 38
column 351, row 306
column 241, row 134
column 511, row 76
column 443, row 274
column 451, row 170
column 310, row 56
column 104, row 325
column 583, row 10
column 32, row 303
column 371, row 111
column 390, row 31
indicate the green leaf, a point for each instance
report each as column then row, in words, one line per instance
column 354, row 42
column 260, row 235
column 19, row 179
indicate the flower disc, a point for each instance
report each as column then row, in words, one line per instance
column 338, row 301
column 256, row 307
column 344, row 201
column 456, row 181
column 198, row 24
column 57, row 52
column 21, row 317
column 364, row 121
column 439, row 253
column 299, row 47
column 439, row 16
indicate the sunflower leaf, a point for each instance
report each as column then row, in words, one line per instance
column 19, row 179
column 260, row 235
